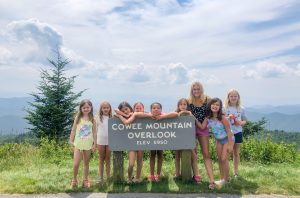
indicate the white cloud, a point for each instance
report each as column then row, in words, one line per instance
column 265, row 69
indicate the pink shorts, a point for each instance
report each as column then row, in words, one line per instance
column 200, row 132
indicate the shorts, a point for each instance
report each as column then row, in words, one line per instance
column 238, row 138
column 225, row 140
column 200, row 132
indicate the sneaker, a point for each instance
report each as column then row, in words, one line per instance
column 151, row 178
column 86, row 183
column 74, row 183
column 212, row 186
column 99, row 180
column 137, row 180
column 220, row 183
column 236, row 176
column 197, row 179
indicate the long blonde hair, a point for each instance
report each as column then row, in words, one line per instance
column 192, row 98
column 79, row 114
column 227, row 102
column 100, row 113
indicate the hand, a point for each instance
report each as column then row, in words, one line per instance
column 230, row 145
column 237, row 122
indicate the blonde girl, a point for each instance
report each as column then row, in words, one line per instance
column 219, row 126
column 198, row 102
column 237, row 117
column 183, row 109
column 83, row 138
column 104, row 114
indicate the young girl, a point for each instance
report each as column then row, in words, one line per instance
column 139, row 107
column 183, row 109
column 236, row 115
column 198, row 102
column 126, row 114
column 219, row 126
column 83, row 138
column 102, row 139
column 156, row 111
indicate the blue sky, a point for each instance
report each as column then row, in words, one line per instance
column 152, row 50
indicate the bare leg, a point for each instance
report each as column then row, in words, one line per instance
column 101, row 149
column 195, row 162
column 107, row 161
column 204, row 143
column 131, row 156
column 159, row 161
column 76, row 162
column 139, row 164
column 86, row 161
column 152, row 161
column 236, row 158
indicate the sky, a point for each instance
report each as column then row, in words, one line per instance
column 153, row 50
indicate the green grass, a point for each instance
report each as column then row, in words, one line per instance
column 33, row 174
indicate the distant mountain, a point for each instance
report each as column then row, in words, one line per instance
column 285, row 117
column 277, row 120
column 284, row 109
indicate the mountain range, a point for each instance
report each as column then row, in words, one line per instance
column 284, row 117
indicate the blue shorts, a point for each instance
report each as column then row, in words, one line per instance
column 224, row 140
column 238, row 138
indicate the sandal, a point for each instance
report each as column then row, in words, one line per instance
column 86, row 183
column 137, row 180
column 74, row 183
column 157, row 177
column 197, row 179
column 212, row 186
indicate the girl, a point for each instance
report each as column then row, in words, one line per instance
column 102, row 139
column 219, row 126
column 156, row 111
column 83, row 138
column 139, row 107
column 125, row 113
column 198, row 102
column 236, row 115
column 183, row 109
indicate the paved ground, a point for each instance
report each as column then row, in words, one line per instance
column 139, row 195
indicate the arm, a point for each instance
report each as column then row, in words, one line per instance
column 167, row 115
column 184, row 113
column 94, row 135
column 202, row 125
column 229, row 133
column 72, row 134
column 118, row 112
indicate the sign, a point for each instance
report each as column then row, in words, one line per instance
column 148, row 134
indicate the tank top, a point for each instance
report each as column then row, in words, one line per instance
column 199, row 112
column 217, row 128
column 84, row 135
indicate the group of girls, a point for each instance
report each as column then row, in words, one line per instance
column 89, row 133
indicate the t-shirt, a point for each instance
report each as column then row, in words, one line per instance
column 102, row 130
column 84, row 135
column 239, row 115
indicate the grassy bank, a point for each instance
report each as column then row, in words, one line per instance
column 31, row 170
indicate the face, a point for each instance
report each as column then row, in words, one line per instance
column 196, row 91
column 215, row 107
column 156, row 110
column 126, row 110
column 233, row 98
column 105, row 109
column 139, row 108
column 182, row 106
column 86, row 109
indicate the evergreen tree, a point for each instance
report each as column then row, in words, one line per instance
column 52, row 111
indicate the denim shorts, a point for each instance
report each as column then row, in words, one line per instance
column 238, row 138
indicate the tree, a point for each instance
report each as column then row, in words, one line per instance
column 52, row 111
column 251, row 128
